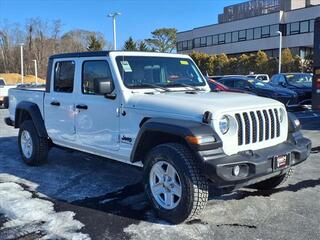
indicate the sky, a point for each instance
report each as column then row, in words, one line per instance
column 139, row 17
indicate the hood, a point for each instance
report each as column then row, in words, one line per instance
column 184, row 104
column 279, row 91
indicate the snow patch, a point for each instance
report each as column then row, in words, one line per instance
column 18, row 205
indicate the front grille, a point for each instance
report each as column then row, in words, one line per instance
column 258, row 126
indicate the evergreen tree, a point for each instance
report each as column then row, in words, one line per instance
column 143, row 47
column 130, row 45
column 94, row 44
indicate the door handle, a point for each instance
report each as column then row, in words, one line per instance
column 82, row 106
column 55, row 103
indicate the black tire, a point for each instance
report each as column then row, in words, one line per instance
column 273, row 182
column 194, row 185
column 40, row 148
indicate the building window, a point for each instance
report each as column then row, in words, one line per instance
column 235, row 36
column 221, row 38
column 209, row 40
column 304, row 27
column 190, row 45
column 228, row 37
column 257, row 33
column 312, row 25
column 250, row 34
column 274, row 30
column 265, row 31
column 215, row 40
column 197, row 42
column 242, row 35
column 203, row 42
column 294, row 28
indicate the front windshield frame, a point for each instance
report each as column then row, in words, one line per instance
column 146, row 85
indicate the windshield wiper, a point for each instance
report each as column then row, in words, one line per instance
column 194, row 88
column 154, row 86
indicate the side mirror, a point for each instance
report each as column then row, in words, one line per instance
column 104, row 87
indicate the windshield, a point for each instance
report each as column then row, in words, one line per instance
column 150, row 72
column 301, row 79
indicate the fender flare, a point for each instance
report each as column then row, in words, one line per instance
column 176, row 128
column 34, row 112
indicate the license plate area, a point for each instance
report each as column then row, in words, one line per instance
column 281, row 161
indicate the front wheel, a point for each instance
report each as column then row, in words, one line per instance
column 174, row 183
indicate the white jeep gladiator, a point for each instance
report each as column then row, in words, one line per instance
column 156, row 110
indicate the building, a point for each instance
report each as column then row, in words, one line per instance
column 253, row 25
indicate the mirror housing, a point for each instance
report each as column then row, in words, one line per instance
column 104, row 86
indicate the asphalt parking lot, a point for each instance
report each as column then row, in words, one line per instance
column 80, row 196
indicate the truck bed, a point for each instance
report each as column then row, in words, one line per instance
column 17, row 95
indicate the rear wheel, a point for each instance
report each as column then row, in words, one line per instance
column 174, row 183
column 274, row 182
column 33, row 148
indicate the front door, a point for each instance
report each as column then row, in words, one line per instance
column 97, row 121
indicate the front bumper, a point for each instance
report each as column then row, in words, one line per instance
column 255, row 166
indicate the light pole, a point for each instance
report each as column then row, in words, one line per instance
column 280, row 49
column 114, row 15
column 21, row 55
column 35, row 70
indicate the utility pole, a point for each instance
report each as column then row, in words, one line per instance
column 113, row 16
column 280, row 49
column 21, row 55
column 35, row 70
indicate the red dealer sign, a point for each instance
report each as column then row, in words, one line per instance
column 316, row 72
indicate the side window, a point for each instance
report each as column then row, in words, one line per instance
column 229, row 83
column 275, row 79
column 240, row 84
column 96, row 77
column 64, row 76
column 281, row 79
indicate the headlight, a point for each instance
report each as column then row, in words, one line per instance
column 282, row 115
column 224, row 124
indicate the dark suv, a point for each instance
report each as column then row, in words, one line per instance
column 301, row 83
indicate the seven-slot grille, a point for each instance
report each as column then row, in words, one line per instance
column 257, row 126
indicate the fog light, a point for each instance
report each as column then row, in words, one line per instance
column 236, row 170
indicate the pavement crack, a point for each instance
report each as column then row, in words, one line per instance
column 236, row 225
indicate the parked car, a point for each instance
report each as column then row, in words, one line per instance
column 217, row 86
column 286, row 96
column 4, row 88
column 261, row 77
column 301, row 83
column 156, row 110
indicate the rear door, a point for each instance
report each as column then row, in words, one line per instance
column 97, row 118
column 59, row 102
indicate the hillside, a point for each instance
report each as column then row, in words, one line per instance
column 14, row 78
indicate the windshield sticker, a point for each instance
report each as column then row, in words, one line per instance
column 251, row 81
column 289, row 76
column 126, row 66
column 183, row 62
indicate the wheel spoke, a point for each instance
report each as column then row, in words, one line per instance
column 168, row 199
column 158, row 189
column 159, row 172
column 176, row 190
column 171, row 172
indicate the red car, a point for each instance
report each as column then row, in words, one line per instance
column 216, row 86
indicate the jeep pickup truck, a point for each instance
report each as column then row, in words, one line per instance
column 155, row 110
